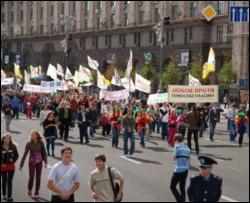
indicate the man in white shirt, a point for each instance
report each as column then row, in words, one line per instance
column 231, row 124
column 64, row 178
column 164, row 110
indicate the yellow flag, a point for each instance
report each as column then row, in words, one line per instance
column 18, row 73
column 107, row 82
column 209, row 66
column 76, row 78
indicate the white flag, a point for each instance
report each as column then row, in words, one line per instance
column 52, row 72
column 3, row 74
column 130, row 64
column 26, row 77
column 92, row 63
column 60, row 70
column 101, row 81
column 159, row 31
column 116, row 80
column 40, row 70
column 84, row 74
column 68, row 74
column 142, row 84
column 192, row 81
column 128, row 84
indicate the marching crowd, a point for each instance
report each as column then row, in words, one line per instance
column 59, row 112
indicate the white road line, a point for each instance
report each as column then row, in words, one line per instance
column 131, row 160
column 229, row 199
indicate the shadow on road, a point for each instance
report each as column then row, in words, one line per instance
column 95, row 145
column 146, row 161
column 15, row 132
column 157, row 149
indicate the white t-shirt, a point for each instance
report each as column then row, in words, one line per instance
column 58, row 171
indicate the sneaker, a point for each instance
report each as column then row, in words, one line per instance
column 36, row 195
column 131, row 155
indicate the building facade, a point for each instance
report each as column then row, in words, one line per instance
column 33, row 30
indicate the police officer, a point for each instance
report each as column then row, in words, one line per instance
column 205, row 187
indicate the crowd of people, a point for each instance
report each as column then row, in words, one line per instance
column 59, row 112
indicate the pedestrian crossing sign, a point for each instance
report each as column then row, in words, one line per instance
column 209, row 13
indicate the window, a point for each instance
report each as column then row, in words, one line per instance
column 138, row 39
column 63, row 28
column 126, row 19
column 41, row 29
column 18, row 47
column 11, row 31
column 112, row 20
column 112, row 4
column 185, row 35
column 85, row 24
column 31, row 29
column 2, row 17
column 219, row 34
column 220, row 9
column 31, row 13
column 172, row 37
column 21, row 2
column 151, row 37
column 174, row 12
column 21, row 15
column 135, row 39
column 230, row 3
column 98, row 21
column 2, row 3
column 229, row 33
column 190, row 34
column 21, row 30
column 11, row 16
column 126, row 3
column 157, row 15
column 74, row 8
column 96, row 42
column 11, row 3
column 192, row 8
column 41, row 12
column 167, row 37
column 51, row 10
column 82, row 43
column 93, row 42
column 52, row 28
column 62, row 8
column 141, row 17
column 123, row 40
column 86, row 6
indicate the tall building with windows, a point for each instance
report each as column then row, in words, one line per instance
column 34, row 29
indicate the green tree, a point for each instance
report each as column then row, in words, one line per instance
column 227, row 75
column 148, row 71
column 171, row 74
column 94, row 76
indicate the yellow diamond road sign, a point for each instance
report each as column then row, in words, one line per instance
column 209, row 13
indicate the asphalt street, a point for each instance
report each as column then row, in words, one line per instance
column 148, row 174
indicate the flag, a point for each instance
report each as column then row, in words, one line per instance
column 128, row 84
column 129, row 65
column 209, row 66
column 52, row 72
column 68, row 74
column 102, row 82
column 60, row 70
column 18, row 73
column 142, row 84
column 84, row 74
column 26, row 77
column 76, row 78
column 3, row 75
column 158, row 31
column 40, row 70
column 192, row 81
column 34, row 71
column 92, row 63
column 116, row 80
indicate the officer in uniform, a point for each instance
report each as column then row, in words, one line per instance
column 205, row 187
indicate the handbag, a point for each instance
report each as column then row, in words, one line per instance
column 115, row 187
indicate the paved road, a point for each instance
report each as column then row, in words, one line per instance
column 148, row 174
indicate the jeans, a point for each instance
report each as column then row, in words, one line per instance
column 201, row 128
column 115, row 136
column 232, row 129
column 212, row 126
column 84, row 133
column 50, row 141
column 189, row 137
column 64, row 128
column 7, row 178
column 181, row 179
column 241, row 138
column 142, row 135
column 91, row 128
column 164, row 130
column 56, row 198
column 130, row 136
column 35, row 169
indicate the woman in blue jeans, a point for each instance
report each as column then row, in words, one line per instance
column 50, row 132
column 115, row 120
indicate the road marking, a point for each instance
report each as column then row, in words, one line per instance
column 235, row 169
column 229, row 199
column 131, row 160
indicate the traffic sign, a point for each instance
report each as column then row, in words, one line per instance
column 209, row 13
column 239, row 14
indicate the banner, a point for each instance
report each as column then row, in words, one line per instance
column 142, row 84
column 52, row 72
column 129, row 65
column 47, row 87
column 92, row 63
column 188, row 94
column 32, row 88
column 7, row 81
column 184, row 57
column 157, row 98
column 34, row 71
column 192, row 81
column 114, row 96
column 3, row 74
